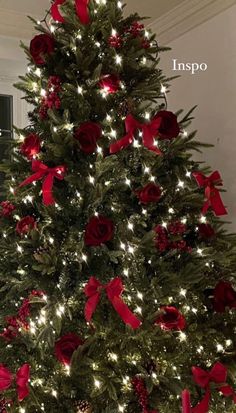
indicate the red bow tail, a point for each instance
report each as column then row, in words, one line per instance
column 82, row 11
column 92, row 292
column 186, row 403
column 22, row 381
column 5, row 378
column 212, row 194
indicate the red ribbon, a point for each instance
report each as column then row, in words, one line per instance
column 186, row 403
column 82, row 11
column 149, row 130
column 113, row 290
column 42, row 171
column 22, row 380
column 217, row 375
column 212, row 194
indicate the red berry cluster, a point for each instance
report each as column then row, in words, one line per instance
column 14, row 323
column 7, row 209
column 135, row 31
column 52, row 99
column 4, row 403
column 141, row 391
column 164, row 237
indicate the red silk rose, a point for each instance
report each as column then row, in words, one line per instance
column 224, row 296
column 110, row 83
column 171, row 319
column 65, row 347
column 30, row 146
column 169, row 127
column 7, row 208
column 98, row 231
column 87, row 135
column 176, row 228
column 41, row 46
column 206, row 231
column 55, row 13
column 150, row 193
column 25, row 225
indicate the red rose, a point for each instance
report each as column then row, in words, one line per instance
column 87, row 135
column 224, row 296
column 55, row 13
column 171, row 319
column 150, row 193
column 98, row 231
column 25, row 225
column 41, row 46
column 65, row 347
column 169, row 127
column 7, row 208
column 30, row 146
column 206, row 231
column 110, row 83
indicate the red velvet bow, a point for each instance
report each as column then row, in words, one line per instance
column 217, row 375
column 43, row 171
column 149, row 130
column 113, row 290
column 22, row 380
column 82, row 11
column 212, row 194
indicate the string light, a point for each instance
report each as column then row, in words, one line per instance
column 182, row 336
column 38, row 72
column 171, row 211
column 118, row 59
column 91, row 179
column 181, row 184
column 183, row 292
column 203, row 219
column 97, row 383
column 163, row 89
column 80, row 90
column 188, row 174
column 199, row 251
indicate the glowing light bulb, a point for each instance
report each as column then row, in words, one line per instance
column 80, row 90
column 163, row 89
column 203, row 219
column 118, row 59
column 97, row 383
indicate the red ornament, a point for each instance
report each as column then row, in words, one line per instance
column 99, row 230
column 171, row 319
column 115, row 41
column 149, row 194
column 41, row 46
column 25, row 225
column 113, row 290
column 168, row 125
column 31, row 146
column 7, row 209
column 65, row 347
column 224, row 296
column 87, row 135
column 110, row 83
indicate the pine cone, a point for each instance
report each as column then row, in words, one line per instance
column 83, row 406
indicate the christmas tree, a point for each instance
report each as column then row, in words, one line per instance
column 117, row 277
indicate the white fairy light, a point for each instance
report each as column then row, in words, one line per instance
column 38, row 72
column 22, row 410
column 118, row 59
column 140, row 295
column 51, row 240
column 130, row 226
column 185, row 133
column 228, row 343
column 163, row 89
column 136, row 143
column 144, row 211
column 219, row 348
column 113, row 133
column 188, row 174
column 114, row 32
column 67, row 370
column 152, row 178
column 199, row 251
column 19, row 248
column 97, row 383
column 127, row 181
column 182, row 336
column 171, row 211
column 126, row 272
column 194, row 310
column 84, row 257
column 121, row 408
column 138, row 310
column 119, row 4
column 203, row 219
column 147, row 115
column 54, row 129
column 54, row 393
column 147, row 34
column 200, row 349
column 43, row 92
column 144, row 60
column 183, row 292
column 184, row 220
column 99, row 149
column 130, row 249
column 146, row 169
column 108, row 118
column 122, row 246
column 91, row 179
column 113, row 356
column 80, row 90
column 181, row 184
column 98, row 44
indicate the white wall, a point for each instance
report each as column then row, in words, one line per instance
column 13, row 64
column 214, row 43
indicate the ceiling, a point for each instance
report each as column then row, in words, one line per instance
column 14, row 22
